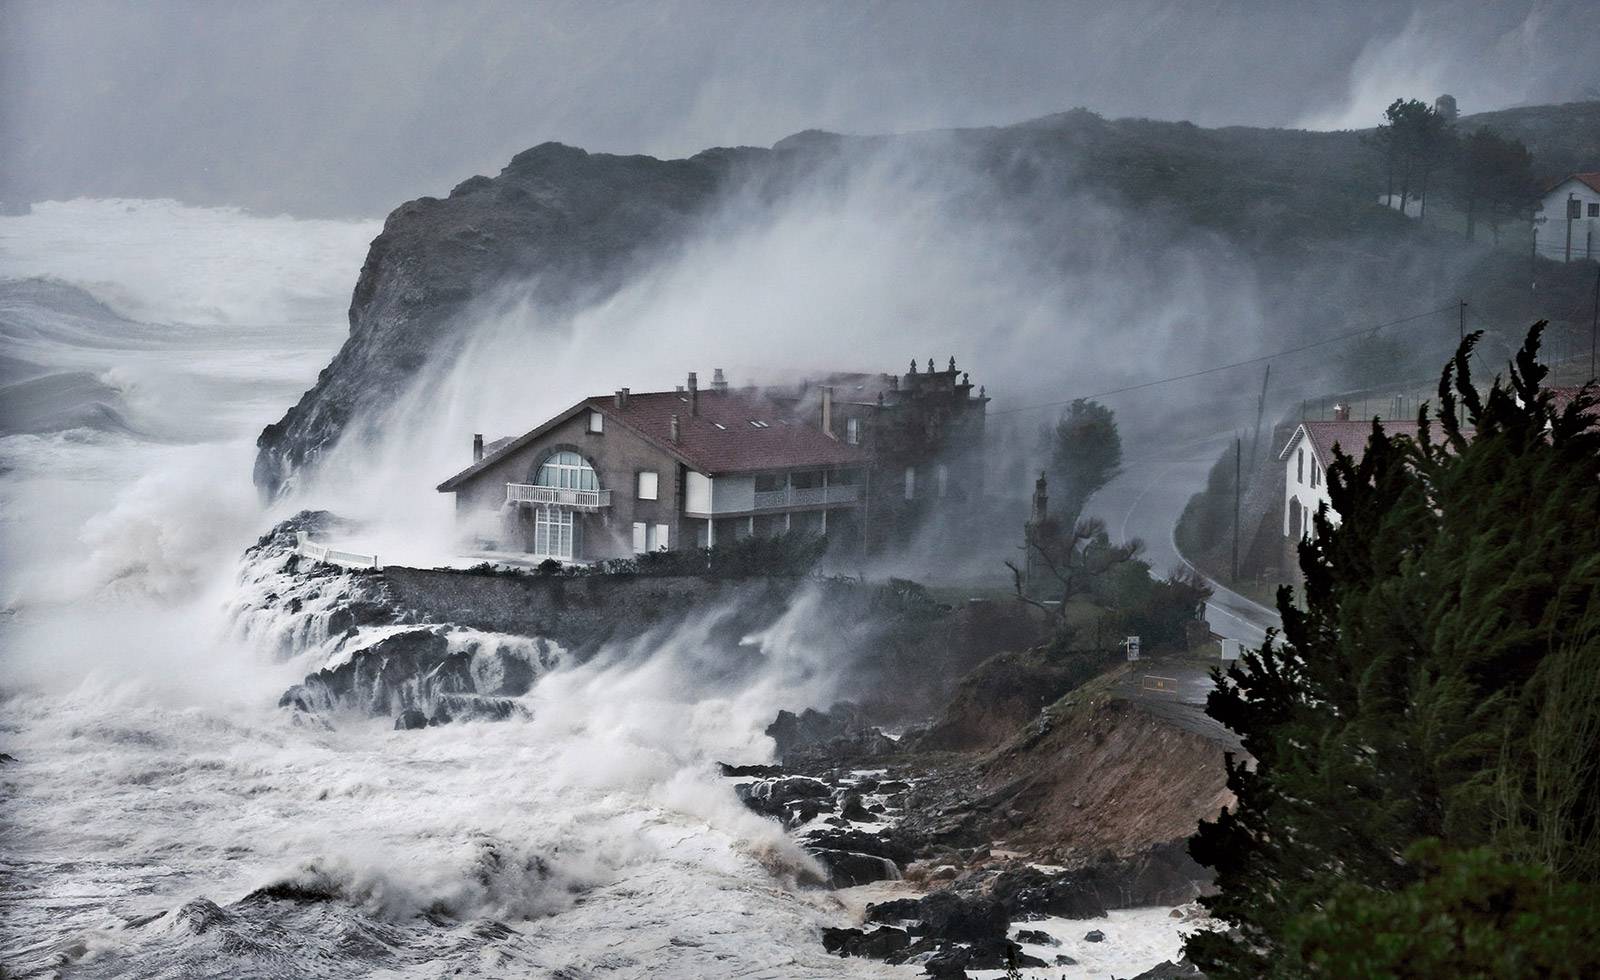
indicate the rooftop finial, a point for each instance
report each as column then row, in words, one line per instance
column 913, row 365
column 952, row 367
column 930, row 365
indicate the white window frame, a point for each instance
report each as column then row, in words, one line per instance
column 554, row 534
column 649, row 537
column 597, row 422
column 648, row 485
column 559, row 471
column 852, row 431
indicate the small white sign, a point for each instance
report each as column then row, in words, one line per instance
column 1132, row 643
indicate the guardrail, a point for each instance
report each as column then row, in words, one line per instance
column 807, row 496
column 527, row 493
column 305, row 547
column 1167, row 685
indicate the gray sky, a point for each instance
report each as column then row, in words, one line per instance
column 354, row 106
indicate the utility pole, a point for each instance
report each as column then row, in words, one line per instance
column 1570, row 209
column 1238, row 465
column 1261, row 408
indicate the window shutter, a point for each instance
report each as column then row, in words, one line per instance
column 638, row 539
column 661, row 537
column 649, row 483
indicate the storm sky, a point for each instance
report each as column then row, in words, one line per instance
column 350, row 108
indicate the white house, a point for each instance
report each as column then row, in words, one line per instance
column 1567, row 224
column 1306, row 458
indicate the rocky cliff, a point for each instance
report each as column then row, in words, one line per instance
column 565, row 224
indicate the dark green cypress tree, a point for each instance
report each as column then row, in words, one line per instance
column 1402, row 689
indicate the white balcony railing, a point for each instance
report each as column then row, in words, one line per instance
column 527, row 493
column 333, row 556
column 806, row 497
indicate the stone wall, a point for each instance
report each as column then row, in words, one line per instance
column 583, row 612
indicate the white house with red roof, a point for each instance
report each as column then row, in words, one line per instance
column 1566, row 227
column 1307, row 456
column 631, row 473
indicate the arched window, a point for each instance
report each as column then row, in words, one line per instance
column 567, row 470
column 1294, row 519
column 1299, row 466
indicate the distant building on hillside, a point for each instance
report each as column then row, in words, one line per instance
column 1445, row 107
column 1567, row 225
column 863, row 458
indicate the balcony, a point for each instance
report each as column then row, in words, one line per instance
column 584, row 500
column 806, row 497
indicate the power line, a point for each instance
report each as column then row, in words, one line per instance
column 1226, row 367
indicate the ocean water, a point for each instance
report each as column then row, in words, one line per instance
column 154, row 782
column 155, row 788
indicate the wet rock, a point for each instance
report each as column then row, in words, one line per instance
column 946, row 915
column 1062, row 959
column 798, row 813
column 885, row 845
column 1029, row 892
column 1094, row 936
column 879, row 944
column 410, row 719
column 854, row 810
column 814, row 738
column 783, row 789
column 1168, row 970
column 1037, row 937
column 762, row 772
column 847, row 869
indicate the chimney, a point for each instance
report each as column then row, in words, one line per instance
column 1341, row 413
column 477, row 447
column 616, row 400
column 626, row 394
column 827, row 410
column 673, row 432
column 719, row 383
column 1041, row 500
column 694, row 395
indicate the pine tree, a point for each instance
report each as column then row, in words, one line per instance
column 1387, row 713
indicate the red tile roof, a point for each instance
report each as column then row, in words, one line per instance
column 1351, row 437
column 721, row 438
column 1590, row 180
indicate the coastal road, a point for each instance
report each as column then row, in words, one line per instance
column 1145, row 502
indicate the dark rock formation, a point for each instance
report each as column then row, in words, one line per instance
column 814, row 738
column 1168, row 970
column 415, row 675
column 849, row 868
column 879, row 944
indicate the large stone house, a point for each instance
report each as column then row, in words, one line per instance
column 858, row 458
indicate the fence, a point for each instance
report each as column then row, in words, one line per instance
column 306, row 548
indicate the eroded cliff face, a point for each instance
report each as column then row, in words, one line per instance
column 564, row 224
